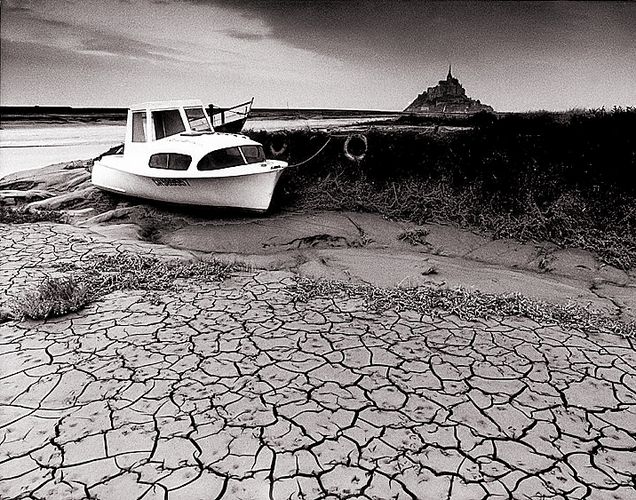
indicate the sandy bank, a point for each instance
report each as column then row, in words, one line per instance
column 349, row 246
column 236, row 387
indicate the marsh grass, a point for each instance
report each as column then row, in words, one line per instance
column 468, row 305
column 567, row 178
column 570, row 221
column 102, row 274
column 22, row 216
column 55, row 296
column 108, row 273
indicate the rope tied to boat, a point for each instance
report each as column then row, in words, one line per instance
column 356, row 156
column 312, row 156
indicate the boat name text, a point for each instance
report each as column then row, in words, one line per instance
column 171, row 182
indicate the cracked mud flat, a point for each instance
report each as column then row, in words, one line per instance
column 236, row 390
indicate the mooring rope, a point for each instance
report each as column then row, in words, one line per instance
column 312, row 156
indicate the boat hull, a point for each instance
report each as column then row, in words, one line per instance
column 231, row 127
column 251, row 191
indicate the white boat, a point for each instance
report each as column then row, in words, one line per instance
column 172, row 154
column 230, row 119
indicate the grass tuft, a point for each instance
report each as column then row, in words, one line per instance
column 466, row 304
column 103, row 274
column 22, row 216
column 53, row 297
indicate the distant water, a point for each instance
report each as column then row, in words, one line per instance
column 27, row 145
column 296, row 123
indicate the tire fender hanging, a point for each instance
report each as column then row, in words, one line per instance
column 355, row 147
column 278, row 145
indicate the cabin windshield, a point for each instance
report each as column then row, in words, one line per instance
column 231, row 157
column 167, row 123
column 221, row 158
column 253, row 154
column 197, row 120
column 139, row 126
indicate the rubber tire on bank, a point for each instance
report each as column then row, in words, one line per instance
column 351, row 155
column 278, row 152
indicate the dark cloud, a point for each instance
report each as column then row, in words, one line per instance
column 244, row 35
column 362, row 28
column 16, row 9
column 359, row 53
column 12, row 14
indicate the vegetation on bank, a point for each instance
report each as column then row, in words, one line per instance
column 54, row 296
column 468, row 305
column 102, row 274
column 16, row 215
column 565, row 178
column 568, row 178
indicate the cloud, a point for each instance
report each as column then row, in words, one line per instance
column 357, row 53
column 16, row 9
column 363, row 28
column 22, row 24
column 244, row 35
column 115, row 45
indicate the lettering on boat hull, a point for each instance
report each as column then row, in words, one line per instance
column 171, row 182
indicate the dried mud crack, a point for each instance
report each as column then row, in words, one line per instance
column 243, row 389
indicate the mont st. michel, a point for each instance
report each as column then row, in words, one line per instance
column 448, row 96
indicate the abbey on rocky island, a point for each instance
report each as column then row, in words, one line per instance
column 448, row 96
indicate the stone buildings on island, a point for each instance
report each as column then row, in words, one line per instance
column 448, row 96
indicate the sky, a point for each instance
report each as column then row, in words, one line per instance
column 356, row 54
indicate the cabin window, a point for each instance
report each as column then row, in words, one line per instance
column 222, row 158
column 167, row 123
column 197, row 119
column 253, row 154
column 170, row 161
column 139, row 127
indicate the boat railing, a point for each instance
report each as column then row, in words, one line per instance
column 221, row 116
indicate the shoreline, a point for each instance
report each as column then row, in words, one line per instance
column 312, row 353
column 363, row 248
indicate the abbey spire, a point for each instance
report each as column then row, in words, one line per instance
column 448, row 96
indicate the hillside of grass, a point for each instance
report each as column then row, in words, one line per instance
column 569, row 178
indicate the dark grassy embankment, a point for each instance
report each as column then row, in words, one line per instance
column 61, row 114
column 565, row 178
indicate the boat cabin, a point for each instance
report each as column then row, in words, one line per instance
column 175, row 135
column 152, row 121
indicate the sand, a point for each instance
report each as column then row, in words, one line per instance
column 243, row 389
column 358, row 247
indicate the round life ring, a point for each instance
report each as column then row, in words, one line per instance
column 278, row 145
column 355, row 147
